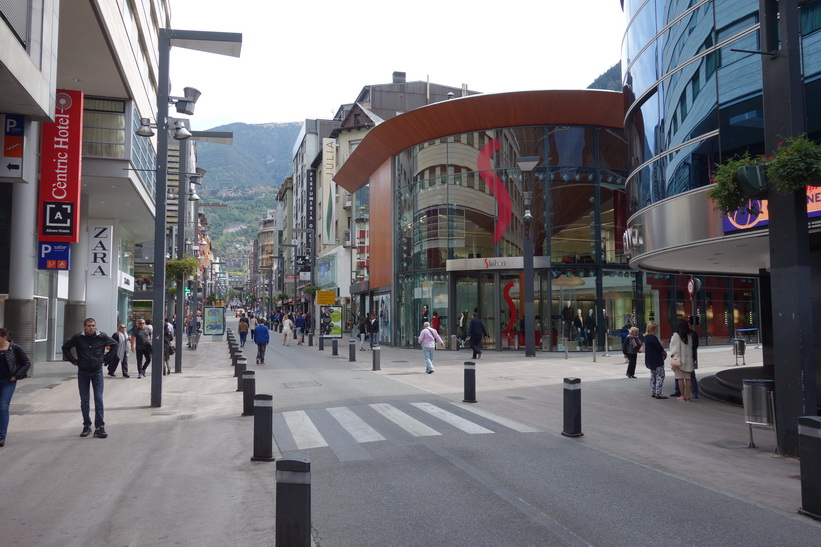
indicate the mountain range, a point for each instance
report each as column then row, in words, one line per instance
column 246, row 177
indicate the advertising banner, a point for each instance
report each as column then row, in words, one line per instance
column 214, row 318
column 61, row 154
column 330, row 321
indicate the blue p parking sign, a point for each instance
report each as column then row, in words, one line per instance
column 54, row 256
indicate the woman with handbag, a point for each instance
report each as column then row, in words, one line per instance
column 681, row 358
column 654, row 356
column 631, row 348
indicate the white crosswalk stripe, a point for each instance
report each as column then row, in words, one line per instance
column 305, row 433
column 356, row 426
column 409, row 424
column 454, row 420
column 515, row 426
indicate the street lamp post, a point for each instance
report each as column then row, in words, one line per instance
column 222, row 43
column 526, row 164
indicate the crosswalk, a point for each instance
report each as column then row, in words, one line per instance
column 348, row 430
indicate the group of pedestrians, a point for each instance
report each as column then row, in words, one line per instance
column 429, row 337
column 683, row 359
column 368, row 330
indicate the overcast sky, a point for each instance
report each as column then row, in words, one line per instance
column 302, row 59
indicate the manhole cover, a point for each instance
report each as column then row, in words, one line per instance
column 302, row 384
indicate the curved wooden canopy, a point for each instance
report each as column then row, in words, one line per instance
column 478, row 113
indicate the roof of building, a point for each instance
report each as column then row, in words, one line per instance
column 478, row 113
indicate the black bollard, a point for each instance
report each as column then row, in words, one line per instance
column 352, row 351
column 263, row 428
column 234, row 356
column 809, row 450
column 376, row 363
column 470, row 382
column 334, row 347
column 293, row 505
column 310, row 339
column 572, row 407
column 321, row 343
column 239, row 369
column 233, row 347
column 249, row 388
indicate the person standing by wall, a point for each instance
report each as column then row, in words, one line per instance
column 476, row 332
column 428, row 338
column 141, row 345
column 373, row 331
column 122, row 352
column 87, row 351
column 14, row 366
column 261, row 338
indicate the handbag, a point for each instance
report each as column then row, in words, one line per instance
column 675, row 362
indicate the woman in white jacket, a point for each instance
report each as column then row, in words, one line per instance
column 681, row 348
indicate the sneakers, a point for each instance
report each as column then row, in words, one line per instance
column 2, row 441
column 126, row 376
column 111, row 374
column 86, row 431
column 100, row 433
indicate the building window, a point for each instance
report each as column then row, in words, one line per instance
column 104, row 128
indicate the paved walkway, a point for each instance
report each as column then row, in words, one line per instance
column 195, row 449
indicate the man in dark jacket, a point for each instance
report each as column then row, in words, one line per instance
column 373, row 331
column 88, row 356
column 476, row 331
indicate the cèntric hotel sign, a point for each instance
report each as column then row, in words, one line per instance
column 61, row 155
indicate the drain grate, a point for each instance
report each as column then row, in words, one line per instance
column 302, row 384
column 185, row 416
column 400, row 361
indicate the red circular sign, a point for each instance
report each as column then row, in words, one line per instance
column 691, row 287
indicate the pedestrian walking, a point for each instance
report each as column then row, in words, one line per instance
column 654, row 356
column 287, row 330
column 167, row 348
column 428, row 338
column 373, row 330
column 261, row 337
column 363, row 333
column 681, row 358
column 122, row 353
column 476, row 333
column 299, row 323
column 631, row 347
column 141, row 346
column 253, row 324
column 243, row 329
column 14, row 366
column 87, row 351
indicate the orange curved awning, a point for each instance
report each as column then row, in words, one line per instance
column 478, row 113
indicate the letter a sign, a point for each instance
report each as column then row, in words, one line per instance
column 99, row 251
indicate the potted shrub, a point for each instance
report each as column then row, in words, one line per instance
column 795, row 165
column 731, row 192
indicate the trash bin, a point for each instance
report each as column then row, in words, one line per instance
column 757, row 398
column 739, row 349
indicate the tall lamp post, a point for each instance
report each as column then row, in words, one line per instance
column 221, row 43
column 526, row 165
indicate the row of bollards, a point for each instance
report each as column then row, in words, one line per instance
column 293, row 476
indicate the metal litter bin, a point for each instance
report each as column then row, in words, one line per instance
column 759, row 405
column 739, row 349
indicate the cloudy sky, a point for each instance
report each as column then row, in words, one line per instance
column 302, row 59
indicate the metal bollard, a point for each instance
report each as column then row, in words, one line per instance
column 470, row 382
column 249, row 388
column 375, row 352
column 293, row 505
column 334, row 347
column 572, row 407
column 321, row 343
column 809, row 445
column 233, row 347
column 352, row 351
column 234, row 356
column 310, row 339
column 239, row 369
column 263, row 428
column 594, row 350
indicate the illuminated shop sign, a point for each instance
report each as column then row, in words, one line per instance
column 743, row 220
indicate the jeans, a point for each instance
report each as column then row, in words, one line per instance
column 7, row 388
column 143, row 353
column 372, row 337
column 261, row 352
column 243, row 335
column 362, row 337
column 95, row 380
column 428, row 353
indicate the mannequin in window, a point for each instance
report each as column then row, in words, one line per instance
column 567, row 319
column 578, row 324
column 425, row 314
column 590, row 327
